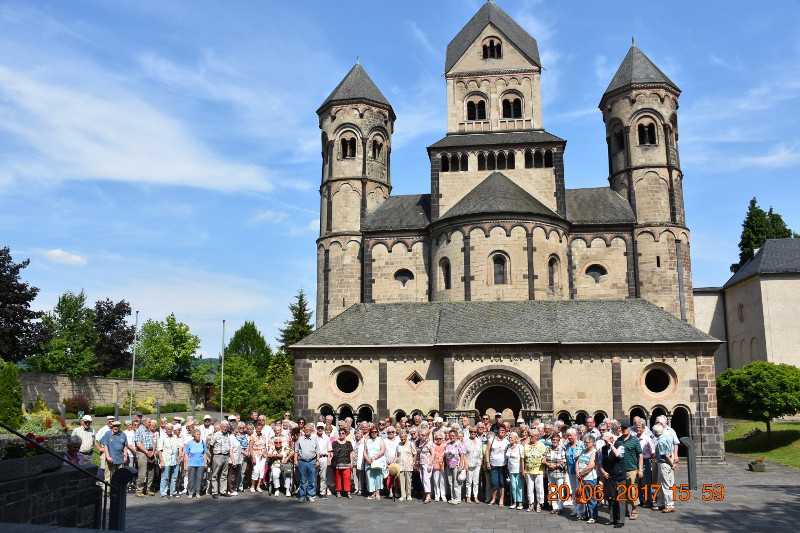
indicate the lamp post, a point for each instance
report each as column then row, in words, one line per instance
column 222, row 371
column 133, row 364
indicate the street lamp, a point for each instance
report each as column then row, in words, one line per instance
column 222, row 371
column 133, row 364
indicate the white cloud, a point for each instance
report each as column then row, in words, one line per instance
column 422, row 39
column 603, row 70
column 782, row 156
column 106, row 133
column 312, row 227
column 57, row 255
column 270, row 216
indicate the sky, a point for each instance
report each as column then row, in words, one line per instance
column 167, row 153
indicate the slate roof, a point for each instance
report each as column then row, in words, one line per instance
column 637, row 68
column 598, row 205
column 525, row 322
column 356, row 85
column 490, row 13
column 498, row 194
column 496, row 139
column 410, row 211
column 776, row 256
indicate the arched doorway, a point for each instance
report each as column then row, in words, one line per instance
column 327, row 410
column 565, row 417
column 638, row 411
column 657, row 411
column 398, row 415
column 365, row 413
column 599, row 416
column 499, row 399
column 345, row 411
column 681, row 423
column 580, row 418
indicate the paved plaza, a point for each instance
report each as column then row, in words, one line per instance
column 754, row 502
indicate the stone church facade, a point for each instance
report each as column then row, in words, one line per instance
column 500, row 233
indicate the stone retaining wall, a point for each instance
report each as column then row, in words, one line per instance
column 55, row 388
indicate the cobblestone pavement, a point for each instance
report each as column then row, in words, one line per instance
column 754, row 502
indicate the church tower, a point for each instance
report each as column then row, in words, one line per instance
column 640, row 109
column 357, row 123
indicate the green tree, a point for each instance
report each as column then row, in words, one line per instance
column 758, row 226
column 166, row 350
column 249, row 343
column 760, row 391
column 21, row 332
column 278, row 386
column 243, row 383
column 11, row 399
column 299, row 326
column 70, row 349
column 114, row 336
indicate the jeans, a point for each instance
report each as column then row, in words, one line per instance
column 308, row 479
column 516, row 488
column 573, row 482
column 195, row 479
column 591, row 503
column 666, row 476
column 439, row 485
column 498, row 477
column 219, row 474
column 168, row 478
column 535, row 485
column 473, row 481
column 456, row 486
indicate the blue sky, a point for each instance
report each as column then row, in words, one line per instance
column 168, row 152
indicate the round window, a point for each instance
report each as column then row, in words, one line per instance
column 347, row 381
column 656, row 380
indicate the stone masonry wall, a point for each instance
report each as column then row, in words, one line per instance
column 55, row 388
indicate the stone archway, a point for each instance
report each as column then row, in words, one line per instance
column 487, row 388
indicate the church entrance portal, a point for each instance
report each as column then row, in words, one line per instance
column 498, row 399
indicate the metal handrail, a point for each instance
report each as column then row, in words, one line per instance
column 100, row 522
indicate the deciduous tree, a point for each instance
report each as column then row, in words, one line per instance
column 114, row 335
column 166, row 349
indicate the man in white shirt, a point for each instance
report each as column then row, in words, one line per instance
column 102, row 432
column 672, row 435
column 325, row 449
column 207, row 429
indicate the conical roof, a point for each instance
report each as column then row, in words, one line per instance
column 491, row 14
column 498, row 194
column 637, row 68
column 356, row 85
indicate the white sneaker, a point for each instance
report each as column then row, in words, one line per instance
column 234, row 493
column 252, row 490
column 288, row 494
column 259, row 489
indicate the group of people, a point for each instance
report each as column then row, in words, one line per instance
column 532, row 467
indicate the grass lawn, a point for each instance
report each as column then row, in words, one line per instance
column 782, row 446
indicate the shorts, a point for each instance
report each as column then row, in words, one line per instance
column 498, row 476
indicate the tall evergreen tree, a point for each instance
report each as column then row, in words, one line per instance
column 21, row 332
column 249, row 343
column 114, row 335
column 758, row 226
column 299, row 326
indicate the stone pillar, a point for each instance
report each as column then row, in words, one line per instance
column 616, row 388
column 467, row 271
column 708, row 433
column 448, row 383
column 681, row 293
column 546, row 383
column 529, row 248
column 383, row 408
column 302, row 384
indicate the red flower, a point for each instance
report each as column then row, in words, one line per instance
column 40, row 439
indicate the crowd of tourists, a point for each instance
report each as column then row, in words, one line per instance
column 534, row 467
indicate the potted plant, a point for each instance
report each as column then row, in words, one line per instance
column 757, row 465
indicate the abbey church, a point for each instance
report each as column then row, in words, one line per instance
column 501, row 289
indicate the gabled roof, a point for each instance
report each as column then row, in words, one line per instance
column 491, row 14
column 598, row 205
column 498, row 194
column 522, row 322
column 776, row 256
column 356, row 85
column 410, row 211
column 496, row 139
column 637, row 68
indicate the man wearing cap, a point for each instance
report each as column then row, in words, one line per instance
column 115, row 449
column 324, row 451
column 306, row 458
column 498, row 422
column 103, row 430
column 632, row 460
column 87, row 436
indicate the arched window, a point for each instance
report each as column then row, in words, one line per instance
column 445, row 167
column 490, row 162
column 501, row 161
column 403, row 276
column 455, row 163
column 647, row 133
column 500, row 267
column 486, row 51
column 651, row 133
column 548, row 159
column 516, row 108
column 506, row 108
column 528, row 159
column 552, row 274
column 481, row 161
column 596, row 272
column 510, row 163
column 351, row 145
column 471, row 113
column 481, row 109
column 464, row 162
column 444, row 267
column 377, row 148
column 538, row 160
column 348, row 147
column 492, row 49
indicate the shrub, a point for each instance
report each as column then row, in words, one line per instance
column 146, row 405
column 120, row 373
column 176, row 407
column 11, row 397
column 103, row 410
column 76, row 403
